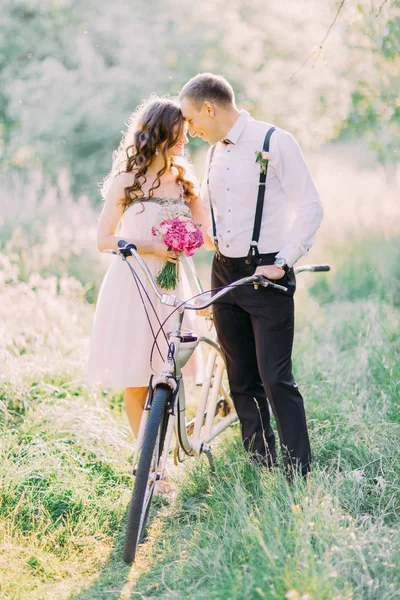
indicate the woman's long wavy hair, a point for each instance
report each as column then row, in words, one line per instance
column 155, row 121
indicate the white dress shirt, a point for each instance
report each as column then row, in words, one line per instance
column 234, row 176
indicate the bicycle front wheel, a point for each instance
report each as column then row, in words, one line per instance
column 146, row 473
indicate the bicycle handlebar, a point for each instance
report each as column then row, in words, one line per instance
column 312, row 268
column 125, row 250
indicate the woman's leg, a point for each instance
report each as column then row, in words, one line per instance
column 134, row 399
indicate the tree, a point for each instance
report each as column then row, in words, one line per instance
column 375, row 69
column 69, row 78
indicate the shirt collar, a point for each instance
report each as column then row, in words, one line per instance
column 232, row 137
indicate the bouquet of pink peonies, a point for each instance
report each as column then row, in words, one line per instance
column 179, row 234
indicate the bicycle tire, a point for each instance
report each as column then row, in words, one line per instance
column 144, row 486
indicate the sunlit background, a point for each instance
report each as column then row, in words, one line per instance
column 70, row 75
column 70, row 78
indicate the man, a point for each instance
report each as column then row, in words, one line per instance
column 255, row 327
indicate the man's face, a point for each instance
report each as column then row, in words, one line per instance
column 201, row 122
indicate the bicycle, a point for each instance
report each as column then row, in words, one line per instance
column 165, row 407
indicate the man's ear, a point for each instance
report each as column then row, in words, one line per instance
column 209, row 108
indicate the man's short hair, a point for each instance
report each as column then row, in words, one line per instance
column 207, row 86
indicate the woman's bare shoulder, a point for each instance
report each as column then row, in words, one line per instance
column 119, row 183
column 116, row 187
column 124, row 179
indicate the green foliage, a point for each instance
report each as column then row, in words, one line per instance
column 70, row 84
column 241, row 534
column 69, row 79
column 365, row 270
column 375, row 110
column 334, row 537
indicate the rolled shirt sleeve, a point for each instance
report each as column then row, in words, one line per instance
column 298, row 186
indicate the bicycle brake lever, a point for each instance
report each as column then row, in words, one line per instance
column 260, row 281
column 264, row 282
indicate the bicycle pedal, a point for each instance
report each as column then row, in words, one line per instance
column 222, row 409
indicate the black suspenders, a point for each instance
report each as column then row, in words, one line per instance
column 253, row 255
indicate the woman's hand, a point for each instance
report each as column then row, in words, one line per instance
column 161, row 251
column 205, row 312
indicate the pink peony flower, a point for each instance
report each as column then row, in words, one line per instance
column 180, row 234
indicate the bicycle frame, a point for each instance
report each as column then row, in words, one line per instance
column 212, row 388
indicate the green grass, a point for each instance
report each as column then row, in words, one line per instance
column 242, row 534
column 247, row 534
column 368, row 269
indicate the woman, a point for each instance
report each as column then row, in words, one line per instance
column 148, row 173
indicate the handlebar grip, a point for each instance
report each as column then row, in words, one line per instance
column 126, row 248
column 321, row 268
column 279, row 287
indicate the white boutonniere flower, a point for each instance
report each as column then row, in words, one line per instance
column 263, row 158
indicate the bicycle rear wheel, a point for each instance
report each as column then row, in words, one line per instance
column 146, row 472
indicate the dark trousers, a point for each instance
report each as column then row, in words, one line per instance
column 255, row 330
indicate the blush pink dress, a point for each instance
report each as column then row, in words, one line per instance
column 122, row 339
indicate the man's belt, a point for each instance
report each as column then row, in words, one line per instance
column 242, row 261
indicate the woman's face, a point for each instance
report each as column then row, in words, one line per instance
column 179, row 148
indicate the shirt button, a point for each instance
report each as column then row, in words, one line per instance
column 228, row 189
column 229, row 210
column 227, row 245
column 227, row 168
column 228, row 231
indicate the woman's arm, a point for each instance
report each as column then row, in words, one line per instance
column 200, row 215
column 110, row 217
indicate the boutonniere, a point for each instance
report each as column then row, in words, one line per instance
column 263, row 158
